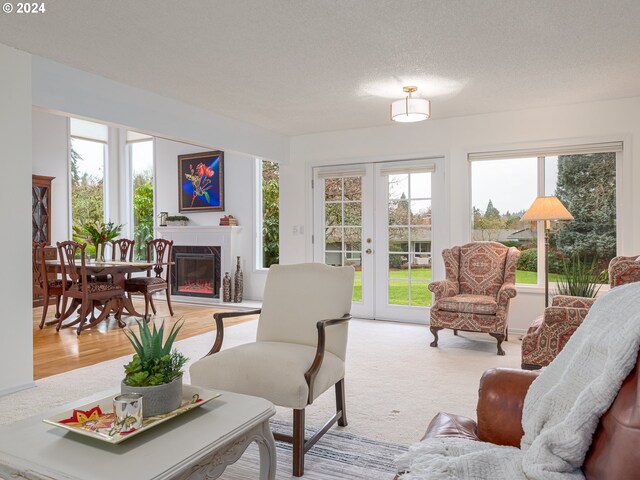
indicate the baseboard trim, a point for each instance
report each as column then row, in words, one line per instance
column 17, row 388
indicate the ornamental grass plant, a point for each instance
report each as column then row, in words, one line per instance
column 580, row 278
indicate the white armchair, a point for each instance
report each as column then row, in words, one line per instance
column 299, row 351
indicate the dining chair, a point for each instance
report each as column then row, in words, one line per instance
column 122, row 249
column 78, row 287
column 42, row 284
column 159, row 252
column 300, row 347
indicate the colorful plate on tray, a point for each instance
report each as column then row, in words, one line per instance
column 96, row 419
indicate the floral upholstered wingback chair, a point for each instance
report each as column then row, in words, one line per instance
column 476, row 293
column 623, row 270
column 548, row 334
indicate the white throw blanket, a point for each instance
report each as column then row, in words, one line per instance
column 561, row 409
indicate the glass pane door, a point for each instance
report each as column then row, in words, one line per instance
column 343, row 232
column 409, row 234
column 343, row 226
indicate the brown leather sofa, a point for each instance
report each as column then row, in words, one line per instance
column 614, row 451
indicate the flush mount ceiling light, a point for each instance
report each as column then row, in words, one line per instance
column 410, row 109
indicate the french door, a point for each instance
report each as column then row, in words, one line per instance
column 378, row 217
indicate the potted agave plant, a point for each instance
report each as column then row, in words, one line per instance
column 155, row 372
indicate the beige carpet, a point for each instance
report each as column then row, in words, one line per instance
column 395, row 382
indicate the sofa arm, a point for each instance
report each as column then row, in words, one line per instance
column 443, row 289
column 500, row 401
column 574, row 302
column 449, row 425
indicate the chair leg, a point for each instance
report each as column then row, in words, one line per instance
column 153, row 305
column 434, row 331
column 120, row 307
column 500, row 338
column 506, row 335
column 455, row 332
column 83, row 314
column 45, row 306
column 58, row 306
column 64, row 309
column 146, row 307
column 298, row 442
column 340, row 404
column 168, row 295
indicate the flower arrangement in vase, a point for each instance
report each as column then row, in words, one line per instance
column 97, row 233
column 155, row 371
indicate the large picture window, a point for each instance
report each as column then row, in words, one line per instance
column 140, row 148
column 585, row 182
column 268, row 214
column 87, row 165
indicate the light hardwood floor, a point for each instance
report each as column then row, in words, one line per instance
column 57, row 352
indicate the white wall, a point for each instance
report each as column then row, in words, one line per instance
column 16, row 345
column 50, row 144
column 454, row 138
column 239, row 198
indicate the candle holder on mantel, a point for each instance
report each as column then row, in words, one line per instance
column 238, row 283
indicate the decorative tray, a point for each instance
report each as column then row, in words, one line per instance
column 96, row 419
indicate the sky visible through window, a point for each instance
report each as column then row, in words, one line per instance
column 510, row 184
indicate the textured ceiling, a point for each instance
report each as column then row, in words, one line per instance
column 303, row 66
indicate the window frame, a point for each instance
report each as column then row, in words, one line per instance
column 543, row 153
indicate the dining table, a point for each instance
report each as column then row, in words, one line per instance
column 117, row 270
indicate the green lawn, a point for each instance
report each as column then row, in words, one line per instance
column 420, row 295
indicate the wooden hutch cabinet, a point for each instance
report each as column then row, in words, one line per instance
column 41, row 217
column 41, row 208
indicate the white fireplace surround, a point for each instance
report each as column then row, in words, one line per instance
column 227, row 238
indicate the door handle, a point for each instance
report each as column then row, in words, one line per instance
column 369, row 251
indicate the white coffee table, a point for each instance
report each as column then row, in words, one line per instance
column 198, row 444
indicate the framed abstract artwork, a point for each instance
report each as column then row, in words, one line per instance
column 201, row 182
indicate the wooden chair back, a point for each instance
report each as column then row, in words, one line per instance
column 68, row 251
column 122, row 249
column 38, row 266
column 159, row 251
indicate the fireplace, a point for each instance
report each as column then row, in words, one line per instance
column 196, row 271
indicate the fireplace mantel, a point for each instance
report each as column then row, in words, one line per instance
column 227, row 238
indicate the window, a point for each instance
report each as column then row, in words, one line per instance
column 268, row 217
column 585, row 182
column 87, row 165
column 140, row 148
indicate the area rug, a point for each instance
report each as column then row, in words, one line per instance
column 338, row 455
column 395, row 383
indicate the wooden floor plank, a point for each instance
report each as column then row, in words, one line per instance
column 57, row 352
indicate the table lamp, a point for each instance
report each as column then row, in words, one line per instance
column 546, row 209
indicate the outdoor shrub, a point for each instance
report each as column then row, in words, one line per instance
column 511, row 243
column 528, row 260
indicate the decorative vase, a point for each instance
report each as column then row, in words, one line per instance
column 238, row 284
column 226, row 287
column 158, row 399
column 100, row 251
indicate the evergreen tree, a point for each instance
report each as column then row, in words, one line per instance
column 491, row 211
column 587, row 187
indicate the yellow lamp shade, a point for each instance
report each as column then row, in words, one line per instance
column 547, row 208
